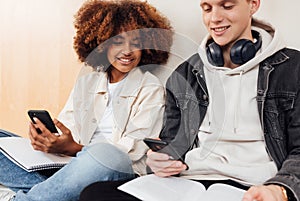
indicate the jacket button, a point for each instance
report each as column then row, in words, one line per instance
column 193, row 132
column 205, row 97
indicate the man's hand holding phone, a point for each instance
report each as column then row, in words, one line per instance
column 162, row 164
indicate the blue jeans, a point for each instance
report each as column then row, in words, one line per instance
column 99, row 162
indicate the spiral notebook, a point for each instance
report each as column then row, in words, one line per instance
column 20, row 151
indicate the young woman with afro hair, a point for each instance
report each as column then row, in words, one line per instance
column 112, row 108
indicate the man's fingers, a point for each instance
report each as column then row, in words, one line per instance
column 157, row 156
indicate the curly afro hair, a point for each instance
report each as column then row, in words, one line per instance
column 99, row 20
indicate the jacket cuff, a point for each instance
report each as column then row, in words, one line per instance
column 292, row 187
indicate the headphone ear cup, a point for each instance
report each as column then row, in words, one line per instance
column 215, row 54
column 242, row 51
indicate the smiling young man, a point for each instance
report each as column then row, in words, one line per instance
column 239, row 120
column 232, row 110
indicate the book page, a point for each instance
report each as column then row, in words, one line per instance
column 20, row 151
column 154, row 188
column 223, row 192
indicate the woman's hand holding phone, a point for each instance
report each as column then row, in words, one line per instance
column 46, row 141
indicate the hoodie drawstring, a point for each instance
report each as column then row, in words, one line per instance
column 237, row 103
column 210, row 111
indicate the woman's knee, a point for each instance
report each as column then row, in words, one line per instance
column 110, row 156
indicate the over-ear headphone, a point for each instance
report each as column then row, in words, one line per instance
column 242, row 51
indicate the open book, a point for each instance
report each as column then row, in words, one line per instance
column 20, row 151
column 154, row 188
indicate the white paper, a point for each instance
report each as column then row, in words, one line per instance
column 154, row 188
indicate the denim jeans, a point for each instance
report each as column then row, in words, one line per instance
column 98, row 162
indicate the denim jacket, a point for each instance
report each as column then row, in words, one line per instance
column 278, row 102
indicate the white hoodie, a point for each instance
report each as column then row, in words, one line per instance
column 231, row 142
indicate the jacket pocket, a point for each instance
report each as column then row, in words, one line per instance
column 275, row 112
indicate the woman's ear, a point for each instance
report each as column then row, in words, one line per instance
column 254, row 6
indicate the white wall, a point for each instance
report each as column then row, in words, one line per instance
column 185, row 16
column 38, row 64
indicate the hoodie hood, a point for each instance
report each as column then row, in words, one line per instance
column 271, row 43
column 242, row 77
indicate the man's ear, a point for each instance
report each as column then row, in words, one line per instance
column 254, row 6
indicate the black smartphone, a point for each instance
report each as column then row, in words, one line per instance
column 45, row 118
column 155, row 144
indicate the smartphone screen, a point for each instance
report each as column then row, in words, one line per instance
column 45, row 118
column 154, row 144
